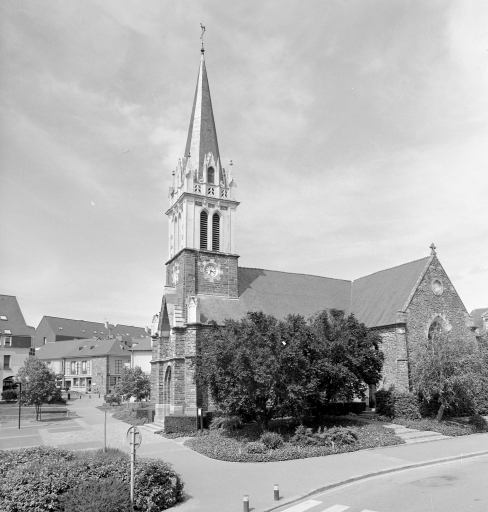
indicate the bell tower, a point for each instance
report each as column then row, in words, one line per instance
column 201, row 213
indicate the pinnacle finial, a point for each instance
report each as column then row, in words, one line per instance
column 201, row 37
column 432, row 249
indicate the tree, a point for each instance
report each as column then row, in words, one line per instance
column 40, row 387
column 259, row 367
column 134, row 382
column 343, row 359
column 447, row 369
column 240, row 363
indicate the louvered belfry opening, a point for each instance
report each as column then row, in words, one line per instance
column 211, row 175
column 203, row 229
column 216, row 232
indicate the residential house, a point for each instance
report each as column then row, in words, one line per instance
column 90, row 365
column 52, row 329
column 16, row 340
column 141, row 354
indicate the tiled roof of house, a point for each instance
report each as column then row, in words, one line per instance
column 377, row 298
column 278, row 294
column 82, row 348
column 15, row 323
column 477, row 315
column 143, row 344
column 86, row 329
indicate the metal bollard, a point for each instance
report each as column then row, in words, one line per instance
column 80, row 397
column 89, row 396
column 245, row 501
column 276, row 492
column 98, row 395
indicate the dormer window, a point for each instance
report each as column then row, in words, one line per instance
column 3, row 317
column 211, row 175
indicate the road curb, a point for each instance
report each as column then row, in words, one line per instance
column 365, row 476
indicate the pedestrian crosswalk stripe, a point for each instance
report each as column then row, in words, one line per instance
column 301, row 507
column 336, row 508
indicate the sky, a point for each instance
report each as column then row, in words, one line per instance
column 358, row 132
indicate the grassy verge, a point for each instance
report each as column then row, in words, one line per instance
column 237, row 446
column 446, row 427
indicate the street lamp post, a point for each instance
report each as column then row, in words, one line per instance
column 18, row 381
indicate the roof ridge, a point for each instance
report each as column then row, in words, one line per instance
column 390, row 268
column 298, row 274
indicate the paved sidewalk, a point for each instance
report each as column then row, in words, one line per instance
column 217, row 486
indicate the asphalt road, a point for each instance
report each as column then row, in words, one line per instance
column 460, row 486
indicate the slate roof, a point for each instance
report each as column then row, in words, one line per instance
column 82, row 348
column 143, row 344
column 15, row 322
column 374, row 299
column 87, row 329
column 477, row 315
column 278, row 294
column 377, row 298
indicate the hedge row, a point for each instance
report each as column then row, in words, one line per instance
column 396, row 404
column 40, row 479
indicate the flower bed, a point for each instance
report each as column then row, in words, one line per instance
column 244, row 444
column 42, row 479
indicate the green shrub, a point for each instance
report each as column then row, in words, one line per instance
column 272, row 440
column 478, row 422
column 34, row 479
column 130, row 416
column 157, row 485
column 342, row 435
column 180, row 424
column 226, row 423
column 405, row 405
column 9, row 394
column 397, row 404
column 256, row 447
column 109, row 495
column 384, row 403
column 304, row 436
column 112, row 399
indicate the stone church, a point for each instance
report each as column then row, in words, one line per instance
column 204, row 281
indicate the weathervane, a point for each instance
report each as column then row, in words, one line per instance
column 201, row 37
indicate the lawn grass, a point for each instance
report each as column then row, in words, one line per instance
column 447, row 427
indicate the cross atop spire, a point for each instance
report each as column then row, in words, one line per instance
column 432, row 249
column 201, row 37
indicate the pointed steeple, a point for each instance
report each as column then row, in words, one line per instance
column 202, row 135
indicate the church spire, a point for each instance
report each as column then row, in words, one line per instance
column 202, row 135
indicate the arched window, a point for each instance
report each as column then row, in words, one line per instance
column 203, row 229
column 436, row 329
column 216, row 232
column 211, row 175
column 167, row 386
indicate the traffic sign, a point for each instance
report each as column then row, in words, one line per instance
column 134, row 436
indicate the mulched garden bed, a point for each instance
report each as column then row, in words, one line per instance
column 233, row 446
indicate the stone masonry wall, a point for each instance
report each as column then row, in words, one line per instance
column 100, row 374
column 426, row 306
column 395, row 365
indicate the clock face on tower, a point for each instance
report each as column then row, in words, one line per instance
column 211, row 270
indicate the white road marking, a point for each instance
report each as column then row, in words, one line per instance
column 301, row 507
column 336, row 508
